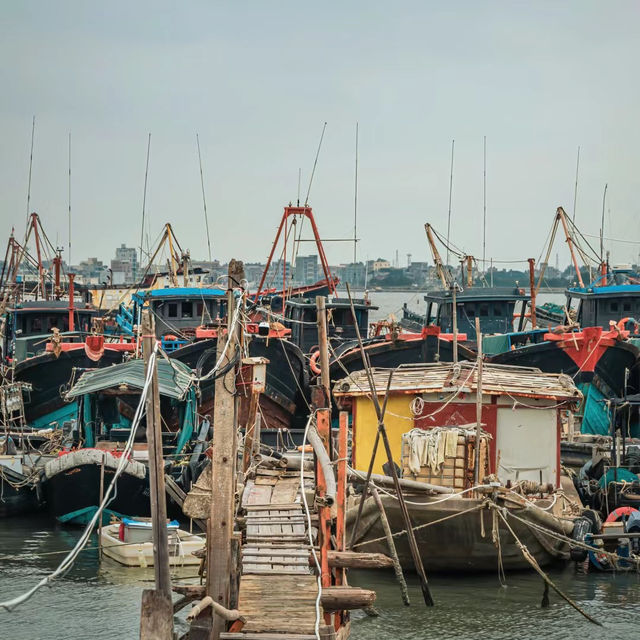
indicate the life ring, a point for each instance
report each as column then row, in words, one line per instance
column 620, row 512
column 313, row 362
column 169, row 337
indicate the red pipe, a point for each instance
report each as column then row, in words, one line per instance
column 71, row 308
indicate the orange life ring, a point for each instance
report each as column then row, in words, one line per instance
column 169, row 336
column 313, row 362
column 619, row 513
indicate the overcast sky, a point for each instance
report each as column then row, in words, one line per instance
column 257, row 80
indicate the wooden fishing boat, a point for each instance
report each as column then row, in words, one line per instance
column 457, row 512
column 108, row 398
column 19, row 487
column 53, row 372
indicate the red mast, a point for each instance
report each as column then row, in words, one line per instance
column 305, row 212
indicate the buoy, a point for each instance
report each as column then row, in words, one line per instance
column 313, row 362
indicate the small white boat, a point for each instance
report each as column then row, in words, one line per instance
column 130, row 543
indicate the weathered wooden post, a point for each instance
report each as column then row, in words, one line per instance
column 223, row 463
column 156, row 621
column 476, row 471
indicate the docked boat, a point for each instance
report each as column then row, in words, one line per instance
column 19, row 486
column 457, row 511
column 107, row 402
column 130, row 543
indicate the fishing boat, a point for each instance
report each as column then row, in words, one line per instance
column 460, row 514
column 107, row 399
column 19, row 487
column 130, row 543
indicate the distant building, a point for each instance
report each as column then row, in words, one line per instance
column 376, row 265
column 418, row 272
column 306, row 269
column 91, row 271
column 125, row 265
column 353, row 273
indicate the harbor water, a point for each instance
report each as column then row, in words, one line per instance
column 104, row 598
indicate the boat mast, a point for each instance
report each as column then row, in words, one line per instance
column 453, row 142
column 355, row 202
column 144, row 197
column 204, row 200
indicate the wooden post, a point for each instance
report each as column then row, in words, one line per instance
column 254, row 372
column 223, row 466
column 158, row 605
column 476, row 471
column 454, row 288
column 323, row 345
column 100, row 503
column 532, row 288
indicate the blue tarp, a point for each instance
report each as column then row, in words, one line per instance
column 595, row 413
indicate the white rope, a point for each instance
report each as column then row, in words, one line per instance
column 68, row 561
column 308, row 514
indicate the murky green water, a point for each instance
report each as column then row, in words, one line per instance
column 104, row 600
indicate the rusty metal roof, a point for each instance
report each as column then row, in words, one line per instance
column 448, row 377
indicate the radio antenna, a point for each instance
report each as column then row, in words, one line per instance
column 204, row 200
column 453, row 142
column 144, row 196
column 315, row 163
column 575, row 190
column 69, row 204
column 355, row 202
column 33, row 130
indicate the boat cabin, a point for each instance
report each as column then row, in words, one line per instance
column 522, row 413
column 107, row 400
column 301, row 316
column 611, row 298
column 28, row 326
column 177, row 310
column 495, row 306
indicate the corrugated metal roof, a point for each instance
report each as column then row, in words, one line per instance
column 447, row 377
column 173, row 381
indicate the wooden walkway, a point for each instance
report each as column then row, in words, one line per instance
column 278, row 588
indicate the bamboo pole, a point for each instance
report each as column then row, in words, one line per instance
column 397, row 567
column 413, row 545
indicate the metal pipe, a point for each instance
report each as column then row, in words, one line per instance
column 325, row 464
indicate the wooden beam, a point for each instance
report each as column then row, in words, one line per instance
column 346, row 598
column 223, row 468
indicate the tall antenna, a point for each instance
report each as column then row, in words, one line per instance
column 69, row 204
column 315, row 162
column 604, row 198
column 484, row 204
column 355, row 202
column 575, row 190
column 33, row 130
column 204, row 200
column 144, row 196
column 299, row 181
column 453, row 142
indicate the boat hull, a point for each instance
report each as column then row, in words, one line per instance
column 461, row 544
column 51, row 376
column 287, row 380
column 393, row 353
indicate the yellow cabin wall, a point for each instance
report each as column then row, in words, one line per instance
column 366, row 426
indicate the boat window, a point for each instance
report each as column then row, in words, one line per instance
column 484, row 311
column 53, row 322
column 36, row 324
column 497, row 310
column 173, row 310
column 200, row 308
column 614, row 306
column 626, row 306
column 187, row 309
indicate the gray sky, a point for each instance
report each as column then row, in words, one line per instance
column 258, row 79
